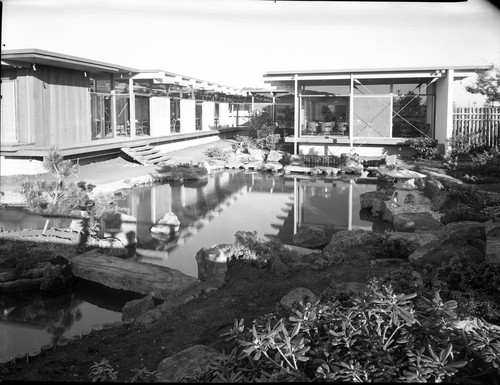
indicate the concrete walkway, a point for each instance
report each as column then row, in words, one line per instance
column 119, row 169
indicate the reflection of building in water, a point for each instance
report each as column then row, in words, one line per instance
column 211, row 213
column 325, row 203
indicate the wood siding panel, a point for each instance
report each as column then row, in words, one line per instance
column 62, row 106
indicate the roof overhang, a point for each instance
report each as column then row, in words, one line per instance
column 28, row 57
column 283, row 78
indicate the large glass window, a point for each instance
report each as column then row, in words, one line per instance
column 100, row 105
column 175, row 115
column 141, row 115
column 372, row 116
column 122, row 115
column 413, row 115
column 198, row 115
column 325, row 115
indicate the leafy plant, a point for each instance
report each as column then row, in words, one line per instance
column 379, row 336
column 143, row 375
column 102, row 371
column 216, row 152
column 426, row 148
column 388, row 246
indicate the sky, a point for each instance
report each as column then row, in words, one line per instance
column 235, row 42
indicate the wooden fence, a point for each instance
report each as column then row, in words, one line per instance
column 478, row 126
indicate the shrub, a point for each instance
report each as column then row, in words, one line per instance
column 476, row 285
column 426, row 148
column 388, row 246
column 102, row 371
column 216, row 152
column 378, row 336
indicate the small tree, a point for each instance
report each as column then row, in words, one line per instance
column 487, row 84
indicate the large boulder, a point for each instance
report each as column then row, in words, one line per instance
column 186, row 362
column 169, row 224
column 409, row 222
column 455, row 238
column 374, row 200
column 310, row 236
column 346, row 239
column 297, row 299
column 416, row 239
column 432, row 187
column 272, row 166
column 493, row 250
column 137, row 307
column 212, row 264
column 274, row 156
column 462, row 212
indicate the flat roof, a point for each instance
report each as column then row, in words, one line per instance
column 467, row 68
column 29, row 56
column 38, row 56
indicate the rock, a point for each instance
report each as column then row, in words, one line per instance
column 56, row 277
column 272, row 166
column 296, row 160
column 310, row 236
column 279, row 268
column 114, row 248
column 440, row 199
column 349, row 238
column 297, row 299
column 352, row 168
column 187, row 362
column 212, row 265
column 417, row 239
column 302, row 251
column 256, row 152
column 432, row 187
column 144, row 278
column 462, row 212
column 117, row 226
column 167, row 225
column 374, row 200
column 493, row 250
column 301, row 169
column 137, row 307
column 274, row 156
column 409, row 222
column 458, row 237
column 351, row 287
column 493, row 229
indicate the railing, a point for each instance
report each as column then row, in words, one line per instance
column 479, row 126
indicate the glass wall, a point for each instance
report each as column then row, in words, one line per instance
column 380, row 108
column 100, row 105
column 141, row 115
column 175, row 115
column 122, row 115
column 198, row 115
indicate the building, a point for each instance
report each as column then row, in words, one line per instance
column 88, row 108
column 370, row 112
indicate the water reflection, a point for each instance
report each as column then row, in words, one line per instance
column 30, row 321
column 211, row 213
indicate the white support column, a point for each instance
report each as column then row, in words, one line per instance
column 131, row 107
column 296, row 123
column 113, row 112
column 351, row 114
column 444, row 110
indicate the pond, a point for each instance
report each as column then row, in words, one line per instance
column 210, row 212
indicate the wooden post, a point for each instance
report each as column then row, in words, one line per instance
column 132, row 107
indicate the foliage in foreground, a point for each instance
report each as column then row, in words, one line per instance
column 378, row 336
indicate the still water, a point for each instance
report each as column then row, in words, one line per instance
column 210, row 212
